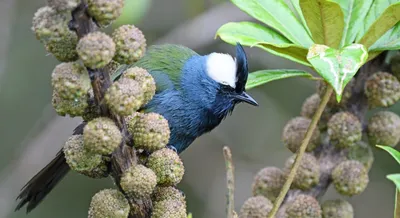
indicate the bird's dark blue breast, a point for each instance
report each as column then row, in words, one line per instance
column 187, row 121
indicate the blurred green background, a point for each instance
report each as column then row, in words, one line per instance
column 31, row 133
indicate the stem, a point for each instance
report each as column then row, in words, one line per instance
column 301, row 151
column 397, row 204
column 124, row 156
column 230, row 182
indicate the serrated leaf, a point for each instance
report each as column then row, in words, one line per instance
column 253, row 34
column 337, row 66
column 389, row 17
column 264, row 76
column 395, row 154
column 395, row 178
column 354, row 12
column 277, row 14
column 325, row 20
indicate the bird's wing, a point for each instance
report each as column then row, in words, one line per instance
column 164, row 63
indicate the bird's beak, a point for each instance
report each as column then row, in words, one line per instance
column 244, row 97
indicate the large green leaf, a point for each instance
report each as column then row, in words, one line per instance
column 264, row 76
column 395, row 179
column 325, row 21
column 395, row 154
column 354, row 13
column 277, row 14
column 337, row 66
column 296, row 6
column 252, row 34
column 389, row 41
column 387, row 19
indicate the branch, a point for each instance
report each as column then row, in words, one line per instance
column 301, row 151
column 230, row 181
column 123, row 157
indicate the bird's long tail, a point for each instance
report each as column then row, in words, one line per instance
column 44, row 181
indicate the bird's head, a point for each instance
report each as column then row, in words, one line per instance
column 230, row 73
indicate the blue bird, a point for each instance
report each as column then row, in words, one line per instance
column 193, row 92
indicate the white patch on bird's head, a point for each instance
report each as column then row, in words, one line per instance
column 222, row 68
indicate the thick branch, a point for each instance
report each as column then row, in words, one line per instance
column 123, row 157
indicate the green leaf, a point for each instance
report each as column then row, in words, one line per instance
column 261, row 77
column 395, row 179
column 354, row 13
column 395, row 154
column 386, row 21
column 190, row 215
column 337, row 67
column 277, row 14
column 389, row 41
column 325, row 21
column 252, row 34
column 296, row 6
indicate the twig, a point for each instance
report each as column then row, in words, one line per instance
column 230, row 182
column 301, row 152
column 397, row 205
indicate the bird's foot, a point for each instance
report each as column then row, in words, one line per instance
column 172, row 148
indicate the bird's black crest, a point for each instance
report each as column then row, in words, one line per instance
column 241, row 68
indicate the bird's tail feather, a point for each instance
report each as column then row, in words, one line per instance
column 44, row 181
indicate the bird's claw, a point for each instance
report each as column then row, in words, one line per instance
column 172, row 148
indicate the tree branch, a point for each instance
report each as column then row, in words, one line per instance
column 123, row 157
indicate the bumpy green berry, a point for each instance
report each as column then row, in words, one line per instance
column 131, row 120
column 101, row 136
column 76, row 107
column 93, row 110
column 268, row 182
column 347, row 93
column 105, row 11
column 309, row 108
column 130, row 44
column 112, row 67
column 350, row 178
column 100, row 171
column 70, row 80
column 308, row 173
column 64, row 50
column 77, row 157
column 109, row 203
column 48, row 25
column 63, row 5
column 169, row 209
column 384, row 129
column 255, row 207
column 294, row 132
column 169, row 193
column 337, row 209
column 382, row 90
column 144, row 79
column 362, row 152
column 151, row 132
column 96, row 50
column 138, row 181
column 395, row 65
column 167, row 165
column 124, row 96
column 344, row 129
column 304, row 206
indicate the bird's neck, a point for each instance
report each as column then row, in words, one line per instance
column 204, row 91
